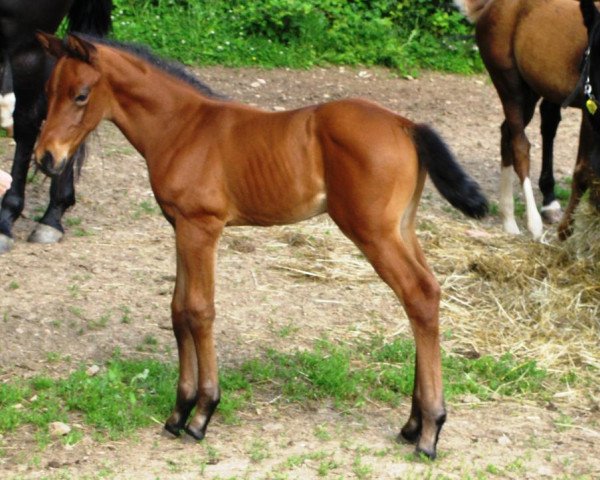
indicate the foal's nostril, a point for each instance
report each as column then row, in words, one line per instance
column 47, row 163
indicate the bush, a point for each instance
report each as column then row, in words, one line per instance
column 405, row 34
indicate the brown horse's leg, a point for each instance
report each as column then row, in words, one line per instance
column 581, row 174
column 518, row 102
column 193, row 317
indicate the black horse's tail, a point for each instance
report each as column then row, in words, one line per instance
column 91, row 16
column 454, row 184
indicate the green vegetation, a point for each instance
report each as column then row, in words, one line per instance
column 129, row 394
column 402, row 34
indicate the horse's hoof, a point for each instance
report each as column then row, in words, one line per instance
column 174, row 430
column 430, row 454
column 409, row 433
column 45, row 234
column 6, row 243
column 564, row 232
column 552, row 213
column 196, row 434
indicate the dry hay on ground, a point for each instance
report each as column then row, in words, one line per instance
column 501, row 293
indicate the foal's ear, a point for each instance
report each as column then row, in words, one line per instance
column 80, row 48
column 51, row 44
column 589, row 12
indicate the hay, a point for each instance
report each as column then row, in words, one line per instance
column 501, row 293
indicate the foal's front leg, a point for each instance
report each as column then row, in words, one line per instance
column 193, row 316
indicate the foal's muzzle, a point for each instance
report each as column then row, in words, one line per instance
column 49, row 166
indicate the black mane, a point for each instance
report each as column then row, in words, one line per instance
column 171, row 67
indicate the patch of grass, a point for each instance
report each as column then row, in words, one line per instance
column 129, row 394
column 259, row 450
column 149, row 344
column 519, row 207
column 125, row 314
column 562, row 190
column 146, row 207
column 73, row 221
column 81, row 232
column 124, row 397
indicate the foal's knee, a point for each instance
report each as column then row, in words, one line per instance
column 200, row 316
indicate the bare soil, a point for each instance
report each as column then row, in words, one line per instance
column 63, row 305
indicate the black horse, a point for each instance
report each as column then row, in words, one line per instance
column 19, row 20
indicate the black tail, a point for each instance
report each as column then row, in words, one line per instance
column 91, row 17
column 447, row 175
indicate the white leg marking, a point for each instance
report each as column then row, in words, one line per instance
column 7, row 108
column 555, row 205
column 507, row 204
column 534, row 220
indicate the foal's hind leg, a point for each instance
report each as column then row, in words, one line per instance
column 411, row 430
column 550, row 116
column 418, row 290
column 193, row 316
column 397, row 264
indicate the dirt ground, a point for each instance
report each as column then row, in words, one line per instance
column 62, row 306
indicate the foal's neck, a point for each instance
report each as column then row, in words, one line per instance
column 150, row 106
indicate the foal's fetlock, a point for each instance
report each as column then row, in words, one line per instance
column 176, row 422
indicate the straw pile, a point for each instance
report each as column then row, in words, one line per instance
column 501, row 293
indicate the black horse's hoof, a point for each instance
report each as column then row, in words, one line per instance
column 45, row 234
column 6, row 243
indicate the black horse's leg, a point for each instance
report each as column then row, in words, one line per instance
column 62, row 196
column 30, row 68
column 550, row 114
column 28, row 81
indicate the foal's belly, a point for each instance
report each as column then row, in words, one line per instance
column 282, row 212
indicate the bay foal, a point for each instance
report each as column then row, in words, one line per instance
column 214, row 163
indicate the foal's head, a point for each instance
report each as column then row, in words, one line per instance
column 76, row 103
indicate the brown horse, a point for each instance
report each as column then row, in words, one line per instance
column 533, row 49
column 214, row 163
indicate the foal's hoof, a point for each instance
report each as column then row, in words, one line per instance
column 174, row 430
column 6, row 243
column 430, row 454
column 45, row 234
column 409, row 433
column 196, row 434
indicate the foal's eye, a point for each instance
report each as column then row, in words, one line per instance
column 82, row 98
